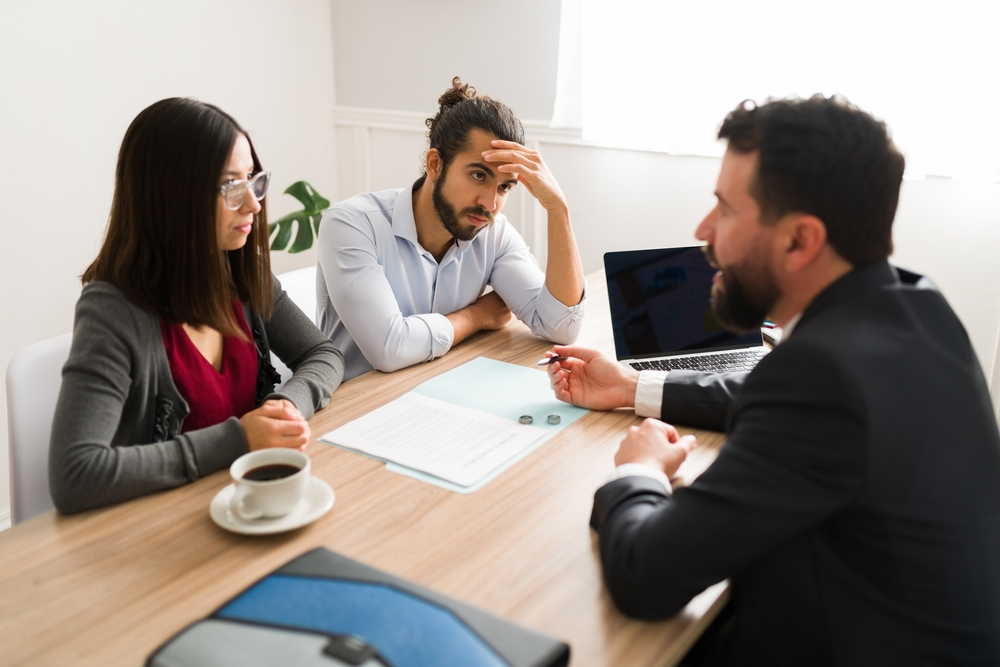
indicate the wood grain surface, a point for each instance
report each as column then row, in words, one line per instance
column 108, row 586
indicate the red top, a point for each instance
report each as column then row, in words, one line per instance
column 213, row 396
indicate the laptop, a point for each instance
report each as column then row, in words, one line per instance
column 661, row 314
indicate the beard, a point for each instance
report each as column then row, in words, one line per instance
column 746, row 295
column 449, row 218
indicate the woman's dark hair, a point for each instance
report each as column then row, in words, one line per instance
column 823, row 157
column 461, row 110
column 161, row 249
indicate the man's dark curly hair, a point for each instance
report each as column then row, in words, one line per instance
column 461, row 110
column 823, row 157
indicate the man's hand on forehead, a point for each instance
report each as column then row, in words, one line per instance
column 529, row 168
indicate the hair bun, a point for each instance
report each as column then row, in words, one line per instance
column 459, row 92
column 464, row 109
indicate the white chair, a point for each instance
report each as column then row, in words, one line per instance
column 33, row 380
column 301, row 287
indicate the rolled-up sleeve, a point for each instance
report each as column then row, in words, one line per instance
column 442, row 333
column 521, row 284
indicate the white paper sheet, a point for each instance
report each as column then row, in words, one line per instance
column 454, row 443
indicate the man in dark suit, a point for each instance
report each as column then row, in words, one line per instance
column 856, row 504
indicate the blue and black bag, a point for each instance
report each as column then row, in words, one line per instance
column 324, row 610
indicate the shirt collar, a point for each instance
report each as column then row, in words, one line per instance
column 404, row 224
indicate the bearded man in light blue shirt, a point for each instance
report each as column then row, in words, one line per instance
column 402, row 273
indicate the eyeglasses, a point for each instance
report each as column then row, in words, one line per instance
column 234, row 192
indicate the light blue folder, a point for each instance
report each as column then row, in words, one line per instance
column 501, row 389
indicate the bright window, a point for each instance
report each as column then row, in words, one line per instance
column 661, row 75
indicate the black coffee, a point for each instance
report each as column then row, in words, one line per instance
column 270, row 472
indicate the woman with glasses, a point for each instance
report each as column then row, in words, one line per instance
column 169, row 376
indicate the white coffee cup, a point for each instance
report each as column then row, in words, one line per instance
column 269, row 496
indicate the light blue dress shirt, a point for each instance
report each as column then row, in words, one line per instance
column 382, row 298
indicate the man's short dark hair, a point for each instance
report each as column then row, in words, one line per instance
column 823, row 157
column 462, row 110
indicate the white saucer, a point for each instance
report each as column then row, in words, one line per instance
column 318, row 501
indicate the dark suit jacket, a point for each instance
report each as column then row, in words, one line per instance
column 856, row 503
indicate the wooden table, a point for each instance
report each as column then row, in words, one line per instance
column 108, row 586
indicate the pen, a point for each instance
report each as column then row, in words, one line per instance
column 550, row 360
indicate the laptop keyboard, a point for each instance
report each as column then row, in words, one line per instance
column 725, row 362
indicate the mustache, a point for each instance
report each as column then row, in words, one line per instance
column 710, row 255
column 477, row 211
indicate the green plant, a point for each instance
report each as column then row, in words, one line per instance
column 306, row 220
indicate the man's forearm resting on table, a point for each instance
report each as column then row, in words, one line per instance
column 409, row 340
column 465, row 322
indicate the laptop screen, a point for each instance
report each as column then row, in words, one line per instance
column 661, row 304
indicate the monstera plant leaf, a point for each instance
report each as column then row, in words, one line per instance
column 305, row 222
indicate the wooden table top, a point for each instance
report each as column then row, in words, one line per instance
column 107, row 587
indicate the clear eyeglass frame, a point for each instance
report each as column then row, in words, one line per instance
column 234, row 192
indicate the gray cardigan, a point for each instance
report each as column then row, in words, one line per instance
column 116, row 432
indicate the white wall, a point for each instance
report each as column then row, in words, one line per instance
column 402, row 54
column 72, row 77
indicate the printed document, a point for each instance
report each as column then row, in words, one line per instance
column 449, row 441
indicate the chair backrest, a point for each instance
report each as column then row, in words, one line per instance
column 301, row 287
column 33, row 380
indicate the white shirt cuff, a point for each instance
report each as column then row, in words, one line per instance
column 640, row 470
column 649, row 393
